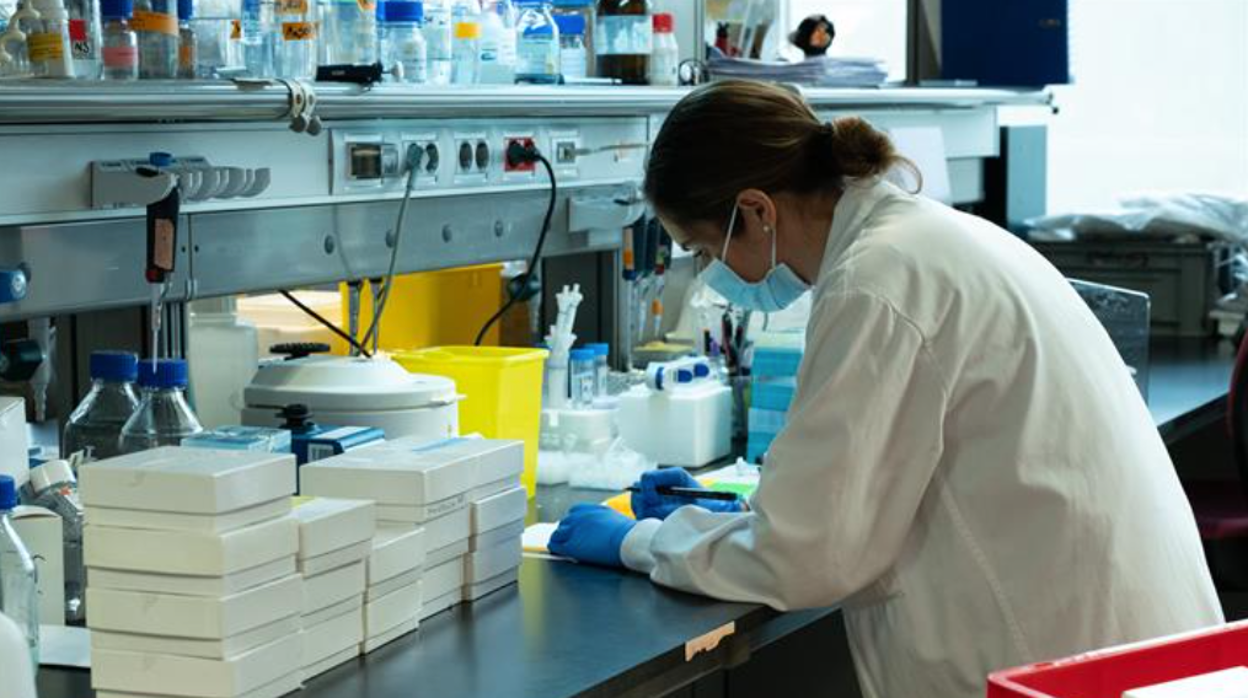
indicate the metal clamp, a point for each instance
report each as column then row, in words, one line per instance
column 302, row 114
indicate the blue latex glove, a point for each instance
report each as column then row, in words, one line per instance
column 649, row 504
column 592, row 533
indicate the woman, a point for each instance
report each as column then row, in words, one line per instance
column 968, row 467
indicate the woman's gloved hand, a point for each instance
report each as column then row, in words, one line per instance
column 592, row 533
column 649, row 504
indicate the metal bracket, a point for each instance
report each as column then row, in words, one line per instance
column 127, row 183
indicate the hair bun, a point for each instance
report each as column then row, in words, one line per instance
column 859, row 148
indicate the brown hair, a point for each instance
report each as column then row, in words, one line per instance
column 734, row 135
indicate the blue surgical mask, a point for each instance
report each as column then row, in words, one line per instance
column 777, row 291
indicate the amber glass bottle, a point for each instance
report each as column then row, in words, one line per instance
column 623, row 40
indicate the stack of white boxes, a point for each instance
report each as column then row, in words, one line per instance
column 430, row 486
column 192, row 586
column 495, row 547
column 335, row 540
column 394, row 571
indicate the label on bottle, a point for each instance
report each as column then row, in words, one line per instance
column 298, row 31
column 369, row 6
column 468, row 30
column 45, row 47
column 154, row 22
column 291, row 7
column 236, row 30
column 77, row 30
column 80, row 44
column 624, row 35
column 121, row 56
column 186, row 56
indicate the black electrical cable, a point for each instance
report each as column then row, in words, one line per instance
column 413, row 159
column 523, row 281
column 332, row 327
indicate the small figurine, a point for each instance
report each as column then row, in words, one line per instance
column 814, row 36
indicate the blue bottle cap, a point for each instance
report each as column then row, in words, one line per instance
column 168, row 373
column 118, row 366
column 401, row 11
column 599, row 348
column 8, row 493
column 186, row 9
column 159, row 159
column 570, row 25
column 701, row 370
column 116, row 9
column 582, row 354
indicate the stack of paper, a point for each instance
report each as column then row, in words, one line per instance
column 822, row 72
column 191, row 572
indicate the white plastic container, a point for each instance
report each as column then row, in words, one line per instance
column 278, row 321
column 223, row 356
column 687, row 426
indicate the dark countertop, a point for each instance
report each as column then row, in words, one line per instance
column 1188, row 383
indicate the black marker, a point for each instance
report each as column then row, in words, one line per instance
column 690, row 493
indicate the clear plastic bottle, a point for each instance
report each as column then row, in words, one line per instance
column 537, row 44
column 403, row 40
column 85, row 39
column 56, row 489
column 163, row 417
column 95, row 425
column 498, row 43
column 438, row 40
column 19, row 592
column 47, row 40
column 466, row 46
column 348, row 32
column 188, row 44
column 295, row 50
column 156, row 22
column 257, row 37
column 573, row 53
column 665, row 58
column 581, row 370
column 584, row 9
column 213, row 25
column 121, row 45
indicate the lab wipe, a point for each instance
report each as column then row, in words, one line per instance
column 203, row 617
column 396, row 550
column 223, row 648
column 335, row 586
column 204, row 523
column 170, row 675
column 189, row 552
column 187, row 480
column 498, row 510
column 193, row 586
column 327, row 524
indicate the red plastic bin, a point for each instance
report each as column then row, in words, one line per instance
column 1108, row 673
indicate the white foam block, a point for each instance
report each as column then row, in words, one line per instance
column 355, row 603
column 376, row 591
column 187, row 480
column 396, row 550
column 491, row 562
column 331, row 637
column 437, row 557
column 310, row 672
column 338, row 558
column 498, row 510
column 171, row 675
column 202, row 617
column 320, row 591
column 206, row 523
column 374, row 643
column 411, row 472
column 475, row 592
column 384, row 614
column 432, row 607
column 327, row 524
column 444, row 579
column 208, row 649
column 287, row 684
column 498, row 536
column 1228, row 683
column 192, row 586
column 189, row 552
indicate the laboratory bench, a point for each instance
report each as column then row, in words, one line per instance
column 575, row 630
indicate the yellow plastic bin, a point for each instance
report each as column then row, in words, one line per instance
column 502, row 388
column 436, row 308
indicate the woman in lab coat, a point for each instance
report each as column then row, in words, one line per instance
column 968, row 467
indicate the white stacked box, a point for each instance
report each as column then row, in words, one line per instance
column 495, row 548
column 394, row 572
column 192, row 587
column 427, row 485
column 335, row 541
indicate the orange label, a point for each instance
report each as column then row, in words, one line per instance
column 45, row 48
column 186, row 55
column 292, row 7
column 298, row 31
column 236, row 30
column 154, row 22
column 367, row 5
column 468, row 30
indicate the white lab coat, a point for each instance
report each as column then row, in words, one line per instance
column 968, row 468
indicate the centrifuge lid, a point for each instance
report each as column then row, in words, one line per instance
column 333, row 383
